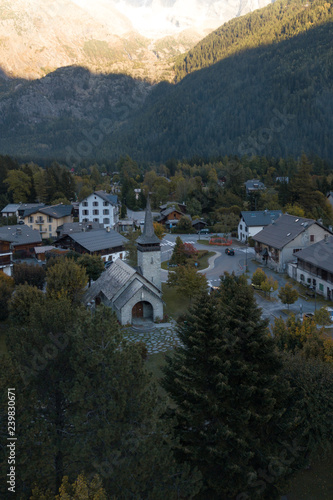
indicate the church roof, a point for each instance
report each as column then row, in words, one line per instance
column 148, row 237
column 110, row 281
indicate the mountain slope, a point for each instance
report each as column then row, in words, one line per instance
column 277, row 22
column 275, row 100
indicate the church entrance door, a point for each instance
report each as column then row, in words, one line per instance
column 142, row 313
column 137, row 311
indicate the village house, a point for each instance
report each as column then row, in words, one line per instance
column 170, row 217
column 253, row 222
column 16, row 241
column 18, row 209
column 253, row 186
column 133, row 293
column 106, row 243
column 47, row 219
column 10, row 210
column 199, row 224
column 179, row 206
column 314, row 267
column 277, row 244
column 100, row 207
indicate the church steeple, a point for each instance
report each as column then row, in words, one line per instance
column 149, row 250
column 148, row 236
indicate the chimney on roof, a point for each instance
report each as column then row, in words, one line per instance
column 18, row 230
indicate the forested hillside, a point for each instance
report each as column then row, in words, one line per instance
column 272, row 100
column 279, row 21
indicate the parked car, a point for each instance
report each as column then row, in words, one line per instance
column 308, row 316
column 203, row 231
column 230, row 251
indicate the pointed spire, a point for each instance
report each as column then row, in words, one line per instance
column 148, row 235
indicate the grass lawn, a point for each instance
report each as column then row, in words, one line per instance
column 202, row 260
column 175, row 303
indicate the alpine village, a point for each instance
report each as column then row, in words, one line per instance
column 166, row 250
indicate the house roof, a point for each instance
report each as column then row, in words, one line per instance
column 169, row 211
column 57, row 211
column 78, row 227
column 111, row 198
column 198, row 221
column 282, row 231
column 254, row 184
column 29, row 208
column 100, row 239
column 11, row 207
column 20, row 234
column 110, row 281
column 319, row 254
column 172, row 204
column 148, row 236
column 260, row 218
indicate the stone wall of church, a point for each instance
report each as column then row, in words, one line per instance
column 150, row 263
column 142, row 295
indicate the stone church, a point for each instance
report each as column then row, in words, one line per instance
column 133, row 293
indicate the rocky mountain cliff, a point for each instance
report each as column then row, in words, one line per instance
column 136, row 37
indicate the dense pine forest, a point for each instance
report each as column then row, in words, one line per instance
column 279, row 21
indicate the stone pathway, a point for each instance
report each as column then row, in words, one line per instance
column 159, row 339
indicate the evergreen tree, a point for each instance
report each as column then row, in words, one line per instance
column 178, row 255
column 228, row 393
column 87, row 404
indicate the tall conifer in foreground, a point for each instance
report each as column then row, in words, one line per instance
column 229, row 396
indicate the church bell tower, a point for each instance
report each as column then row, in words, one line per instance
column 149, row 251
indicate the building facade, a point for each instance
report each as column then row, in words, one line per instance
column 46, row 220
column 100, row 207
column 277, row 244
column 314, row 267
column 252, row 223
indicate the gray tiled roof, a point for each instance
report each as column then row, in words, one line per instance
column 78, row 227
column 99, row 239
column 29, row 208
column 11, row 207
column 111, row 198
column 285, row 229
column 57, row 211
column 260, row 218
column 128, row 293
column 169, row 211
column 254, row 184
column 320, row 254
column 111, row 281
column 20, row 234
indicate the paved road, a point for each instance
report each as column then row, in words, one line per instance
column 243, row 257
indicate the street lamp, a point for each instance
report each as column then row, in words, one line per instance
column 246, row 257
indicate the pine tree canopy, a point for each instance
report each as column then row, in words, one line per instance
column 229, row 395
